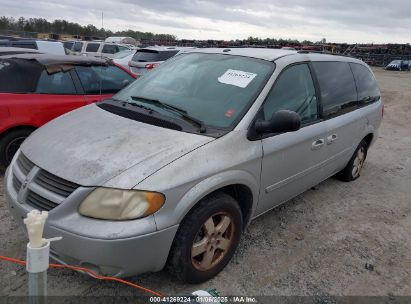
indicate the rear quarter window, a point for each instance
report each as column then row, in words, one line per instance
column 25, row 45
column 68, row 44
column 77, row 47
column 337, row 86
column 367, row 87
column 110, row 49
column 25, row 75
column 92, row 47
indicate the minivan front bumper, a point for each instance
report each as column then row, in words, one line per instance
column 114, row 256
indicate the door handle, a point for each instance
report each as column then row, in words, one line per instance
column 331, row 139
column 317, row 144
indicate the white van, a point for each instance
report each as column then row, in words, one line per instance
column 44, row 46
column 121, row 40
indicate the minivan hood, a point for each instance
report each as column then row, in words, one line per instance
column 91, row 146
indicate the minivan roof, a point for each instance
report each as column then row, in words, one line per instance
column 168, row 48
column 15, row 50
column 272, row 54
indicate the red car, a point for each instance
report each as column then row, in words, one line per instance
column 36, row 88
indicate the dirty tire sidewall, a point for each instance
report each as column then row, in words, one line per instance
column 9, row 138
column 180, row 261
column 346, row 174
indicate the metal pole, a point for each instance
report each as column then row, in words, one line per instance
column 38, row 287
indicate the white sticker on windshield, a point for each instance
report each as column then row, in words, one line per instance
column 237, row 78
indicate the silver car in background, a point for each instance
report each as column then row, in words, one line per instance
column 123, row 58
column 173, row 168
column 146, row 59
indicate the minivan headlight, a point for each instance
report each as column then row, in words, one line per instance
column 117, row 204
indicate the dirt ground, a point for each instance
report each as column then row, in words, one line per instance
column 316, row 244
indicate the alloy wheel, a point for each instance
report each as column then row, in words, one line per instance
column 358, row 162
column 213, row 241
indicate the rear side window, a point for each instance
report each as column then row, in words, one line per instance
column 293, row 91
column 56, row 83
column 367, row 87
column 25, row 75
column 92, row 47
column 110, row 49
column 68, row 44
column 122, row 48
column 152, row 55
column 78, row 46
column 25, row 45
column 338, row 91
column 104, row 79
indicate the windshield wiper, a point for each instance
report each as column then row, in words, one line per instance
column 136, row 105
column 163, row 105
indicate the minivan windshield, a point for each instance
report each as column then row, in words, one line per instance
column 214, row 89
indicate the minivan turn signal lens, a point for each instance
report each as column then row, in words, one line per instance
column 117, row 204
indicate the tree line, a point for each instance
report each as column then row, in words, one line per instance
column 41, row 25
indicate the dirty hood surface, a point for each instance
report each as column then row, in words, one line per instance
column 91, row 146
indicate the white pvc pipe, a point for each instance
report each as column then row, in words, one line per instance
column 38, row 256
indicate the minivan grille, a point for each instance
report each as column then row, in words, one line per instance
column 50, row 190
column 40, row 202
column 16, row 183
column 55, row 184
column 24, row 164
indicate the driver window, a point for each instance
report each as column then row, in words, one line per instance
column 294, row 91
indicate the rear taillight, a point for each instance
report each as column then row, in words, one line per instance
column 151, row 66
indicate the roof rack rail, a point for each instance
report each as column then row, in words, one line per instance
column 308, row 51
column 322, row 52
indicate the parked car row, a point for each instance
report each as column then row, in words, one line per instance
column 170, row 170
column 138, row 61
column 35, row 88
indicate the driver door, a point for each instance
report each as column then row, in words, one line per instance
column 292, row 162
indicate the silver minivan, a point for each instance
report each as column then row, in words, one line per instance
column 173, row 168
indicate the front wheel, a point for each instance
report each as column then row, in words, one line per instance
column 10, row 143
column 353, row 169
column 207, row 239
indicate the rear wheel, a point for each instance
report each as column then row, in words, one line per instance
column 10, row 143
column 353, row 169
column 207, row 239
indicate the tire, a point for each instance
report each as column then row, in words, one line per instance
column 10, row 143
column 353, row 169
column 196, row 229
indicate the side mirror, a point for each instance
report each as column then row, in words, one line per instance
column 281, row 122
column 125, row 83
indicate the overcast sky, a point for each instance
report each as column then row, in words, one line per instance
column 378, row 21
